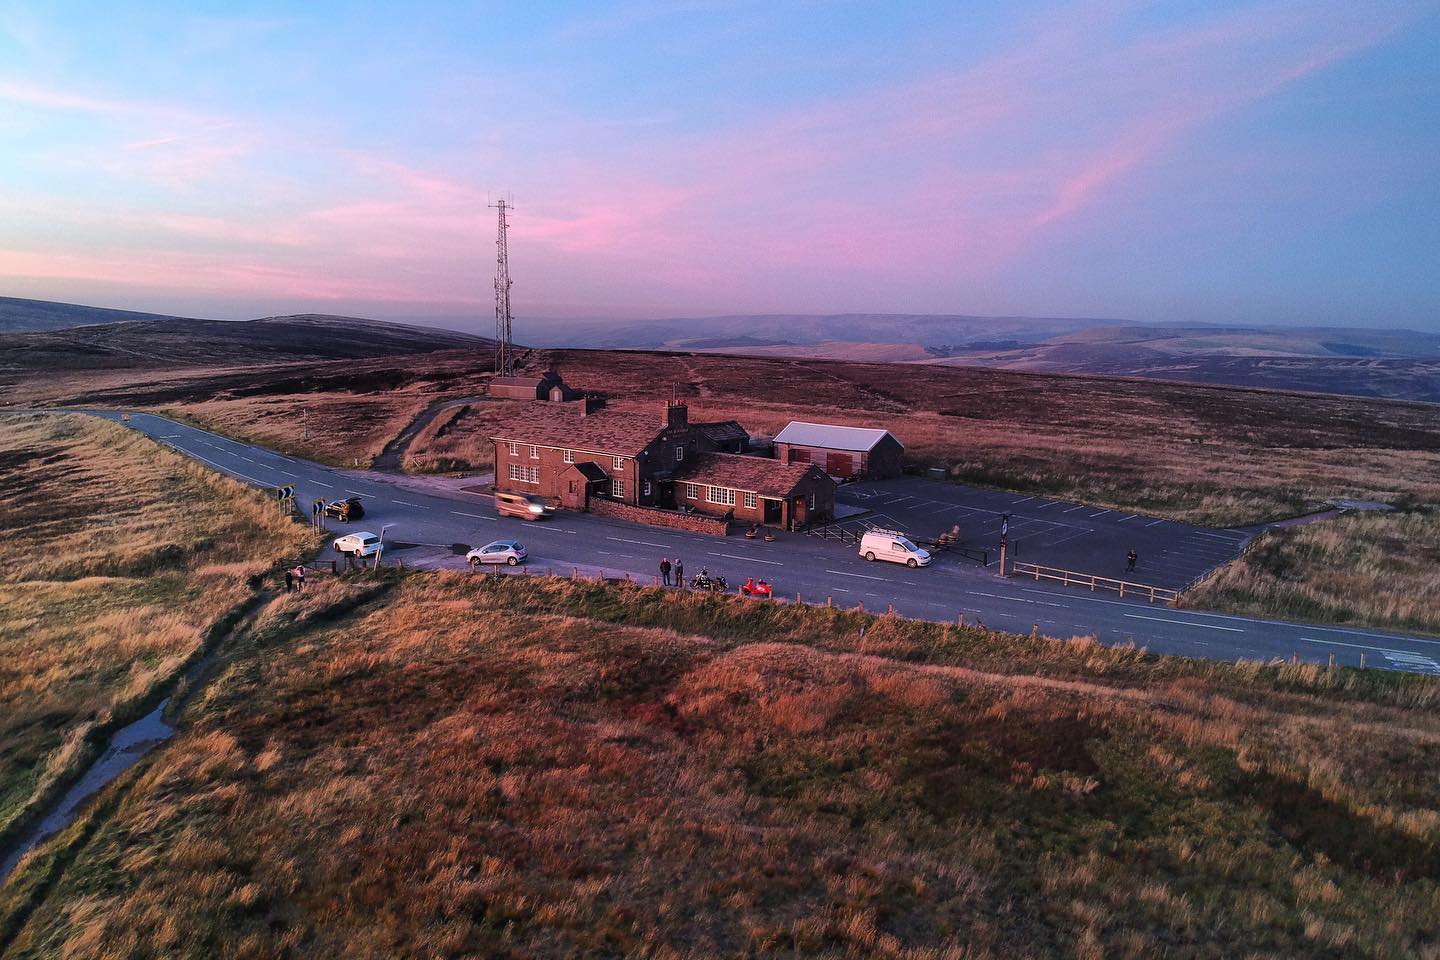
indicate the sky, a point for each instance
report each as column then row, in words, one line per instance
column 1216, row 161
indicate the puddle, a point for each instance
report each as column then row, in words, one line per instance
column 127, row 745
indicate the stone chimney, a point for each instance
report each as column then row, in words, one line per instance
column 677, row 415
column 589, row 404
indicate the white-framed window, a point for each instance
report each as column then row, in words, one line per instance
column 514, row 449
column 569, row 456
column 749, row 501
column 724, row 496
column 618, row 462
column 524, row 473
column 534, row 452
column 645, row 488
column 617, row 487
column 692, row 491
column 810, row 500
column 680, row 453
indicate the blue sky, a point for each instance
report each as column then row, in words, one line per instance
column 1225, row 162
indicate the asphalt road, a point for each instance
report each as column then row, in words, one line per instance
column 432, row 518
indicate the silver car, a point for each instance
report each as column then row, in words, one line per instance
column 500, row 551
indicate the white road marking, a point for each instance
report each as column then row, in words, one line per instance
column 998, row 596
column 1216, row 536
column 862, row 576
column 1094, row 515
column 1153, row 522
column 646, row 543
column 1388, row 651
column 1071, row 537
column 406, row 503
column 1073, row 509
column 320, row 483
column 1131, row 517
column 477, row 516
column 1018, row 502
column 247, row 459
column 773, row 563
column 1186, row 623
column 356, row 493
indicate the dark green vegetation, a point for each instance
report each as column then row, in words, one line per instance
column 472, row 766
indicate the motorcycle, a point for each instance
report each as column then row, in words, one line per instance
column 704, row 581
column 757, row 588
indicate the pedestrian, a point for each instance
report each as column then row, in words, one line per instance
column 289, row 582
column 1130, row 560
column 665, row 571
column 679, row 572
column 300, row 577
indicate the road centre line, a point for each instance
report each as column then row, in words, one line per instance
column 406, row 503
column 773, row 563
column 320, row 483
column 477, row 516
column 1186, row 623
column 1216, row 536
column 646, row 543
column 247, row 459
column 862, row 576
column 1153, row 522
column 231, row 471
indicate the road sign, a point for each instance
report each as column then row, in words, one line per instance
column 287, row 492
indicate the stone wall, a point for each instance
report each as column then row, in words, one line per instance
column 692, row 522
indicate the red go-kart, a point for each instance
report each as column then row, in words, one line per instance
column 757, row 588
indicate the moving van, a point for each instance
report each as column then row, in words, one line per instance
column 894, row 546
column 521, row 505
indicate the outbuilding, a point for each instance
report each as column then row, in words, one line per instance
column 756, row 490
column 548, row 386
column 842, row 452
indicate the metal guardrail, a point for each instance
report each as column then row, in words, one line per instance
column 1073, row 579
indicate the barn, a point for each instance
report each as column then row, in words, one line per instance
column 547, row 386
column 842, row 452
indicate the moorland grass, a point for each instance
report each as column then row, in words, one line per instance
column 119, row 556
column 514, row 766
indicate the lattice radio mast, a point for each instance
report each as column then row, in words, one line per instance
column 504, row 348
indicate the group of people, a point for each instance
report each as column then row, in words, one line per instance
column 295, row 579
column 666, row 568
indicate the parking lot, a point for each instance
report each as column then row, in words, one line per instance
column 1054, row 533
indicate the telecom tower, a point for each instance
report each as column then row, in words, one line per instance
column 504, row 349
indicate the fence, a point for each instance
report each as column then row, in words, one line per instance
column 1071, row 578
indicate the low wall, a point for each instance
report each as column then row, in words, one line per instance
column 691, row 522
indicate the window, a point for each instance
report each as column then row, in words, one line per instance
column 619, row 462
column 534, row 452
column 721, row 495
column 645, row 488
column 810, row 500
column 524, row 474
column 692, row 491
column 617, row 487
column 749, row 501
column 679, row 453
column 569, row 456
column 514, row 449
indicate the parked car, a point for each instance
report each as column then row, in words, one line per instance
column 894, row 546
column 358, row 544
column 345, row 510
column 500, row 551
column 522, row 505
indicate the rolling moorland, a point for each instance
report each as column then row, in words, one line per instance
column 1213, row 455
column 121, row 557
column 448, row 765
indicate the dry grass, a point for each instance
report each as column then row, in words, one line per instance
column 500, row 768
column 344, row 428
column 118, row 556
column 458, row 439
column 1376, row 569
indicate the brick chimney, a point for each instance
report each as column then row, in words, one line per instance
column 677, row 415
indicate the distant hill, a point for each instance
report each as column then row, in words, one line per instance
column 169, row 342
column 18, row 315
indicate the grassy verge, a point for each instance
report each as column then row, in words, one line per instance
column 1372, row 569
column 122, row 558
column 480, row 766
column 333, row 428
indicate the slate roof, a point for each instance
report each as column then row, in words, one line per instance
column 761, row 475
column 590, row 470
column 831, row 436
column 723, row 431
column 611, row 432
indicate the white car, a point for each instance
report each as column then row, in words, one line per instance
column 894, row 546
column 501, row 551
column 358, row 544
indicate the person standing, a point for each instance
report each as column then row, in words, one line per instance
column 679, row 573
column 289, row 582
column 665, row 571
column 1130, row 560
column 300, row 577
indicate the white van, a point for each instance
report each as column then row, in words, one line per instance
column 894, row 546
